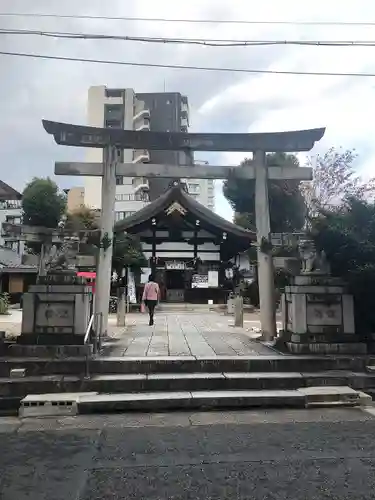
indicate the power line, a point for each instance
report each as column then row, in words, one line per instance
column 187, row 21
column 176, row 66
column 188, row 41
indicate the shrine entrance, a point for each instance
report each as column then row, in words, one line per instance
column 175, row 285
column 188, row 247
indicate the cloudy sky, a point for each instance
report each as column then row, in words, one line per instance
column 32, row 89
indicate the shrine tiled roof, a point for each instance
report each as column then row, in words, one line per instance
column 177, row 194
column 8, row 193
column 11, row 261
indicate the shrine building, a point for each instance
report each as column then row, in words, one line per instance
column 191, row 250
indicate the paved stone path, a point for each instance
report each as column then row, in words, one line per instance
column 207, row 334
column 11, row 323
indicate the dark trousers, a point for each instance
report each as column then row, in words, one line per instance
column 151, row 304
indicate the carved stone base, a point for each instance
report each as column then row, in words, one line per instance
column 318, row 314
column 56, row 312
column 56, row 339
column 324, row 338
column 327, row 348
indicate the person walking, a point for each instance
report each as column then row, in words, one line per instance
column 151, row 295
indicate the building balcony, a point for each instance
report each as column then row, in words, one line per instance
column 138, row 195
column 141, row 188
column 141, row 156
column 10, row 205
column 184, row 104
column 142, row 126
column 142, row 115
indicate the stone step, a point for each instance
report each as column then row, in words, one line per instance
column 184, row 364
column 115, row 383
column 174, row 382
column 46, row 351
column 158, row 401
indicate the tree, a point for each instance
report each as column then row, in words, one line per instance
column 347, row 234
column 127, row 253
column 127, row 249
column 82, row 218
column 85, row 219
column 287, row 206
column 42, row 203
column 334, row 182
column 245, row 220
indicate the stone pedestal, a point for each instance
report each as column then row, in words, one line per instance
column 318, row 315
column 238, row 311
column 56, row 311
column 230, row 306
column 121, row 307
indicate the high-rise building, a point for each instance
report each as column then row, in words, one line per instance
column 75, row 198
column 162, row 112
column 11, row 212
column 169, row 112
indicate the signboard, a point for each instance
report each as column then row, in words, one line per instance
column 131, row 288
column 213, row 279
column 199, row 281
column 174, row 265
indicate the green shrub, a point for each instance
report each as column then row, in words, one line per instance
column 4, row 303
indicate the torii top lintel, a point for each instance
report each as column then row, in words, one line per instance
column 94, row 137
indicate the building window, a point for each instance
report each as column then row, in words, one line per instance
column 132, row 197
column 10, row 204
column 193, row 188
column 113, row 109
column 113, row 124
column 13, row 219
column 123, row 215
column 119, row 180
column 113, row 92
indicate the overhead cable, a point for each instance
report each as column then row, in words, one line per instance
column 176, row 66
column 188, row 21
column 188, row 41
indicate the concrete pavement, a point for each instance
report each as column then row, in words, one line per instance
column 314, row 454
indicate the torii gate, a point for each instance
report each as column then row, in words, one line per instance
column 112, row 141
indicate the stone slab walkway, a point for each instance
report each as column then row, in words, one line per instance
column 207, row 334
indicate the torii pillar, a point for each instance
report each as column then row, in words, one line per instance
column 112, row 140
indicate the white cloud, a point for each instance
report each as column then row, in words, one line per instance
column 34, row 89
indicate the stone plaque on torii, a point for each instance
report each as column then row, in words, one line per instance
column 112, row 141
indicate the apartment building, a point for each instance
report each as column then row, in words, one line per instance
column 11, row 212
column 75, row 198
column 203, row 190
column 123, row 108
